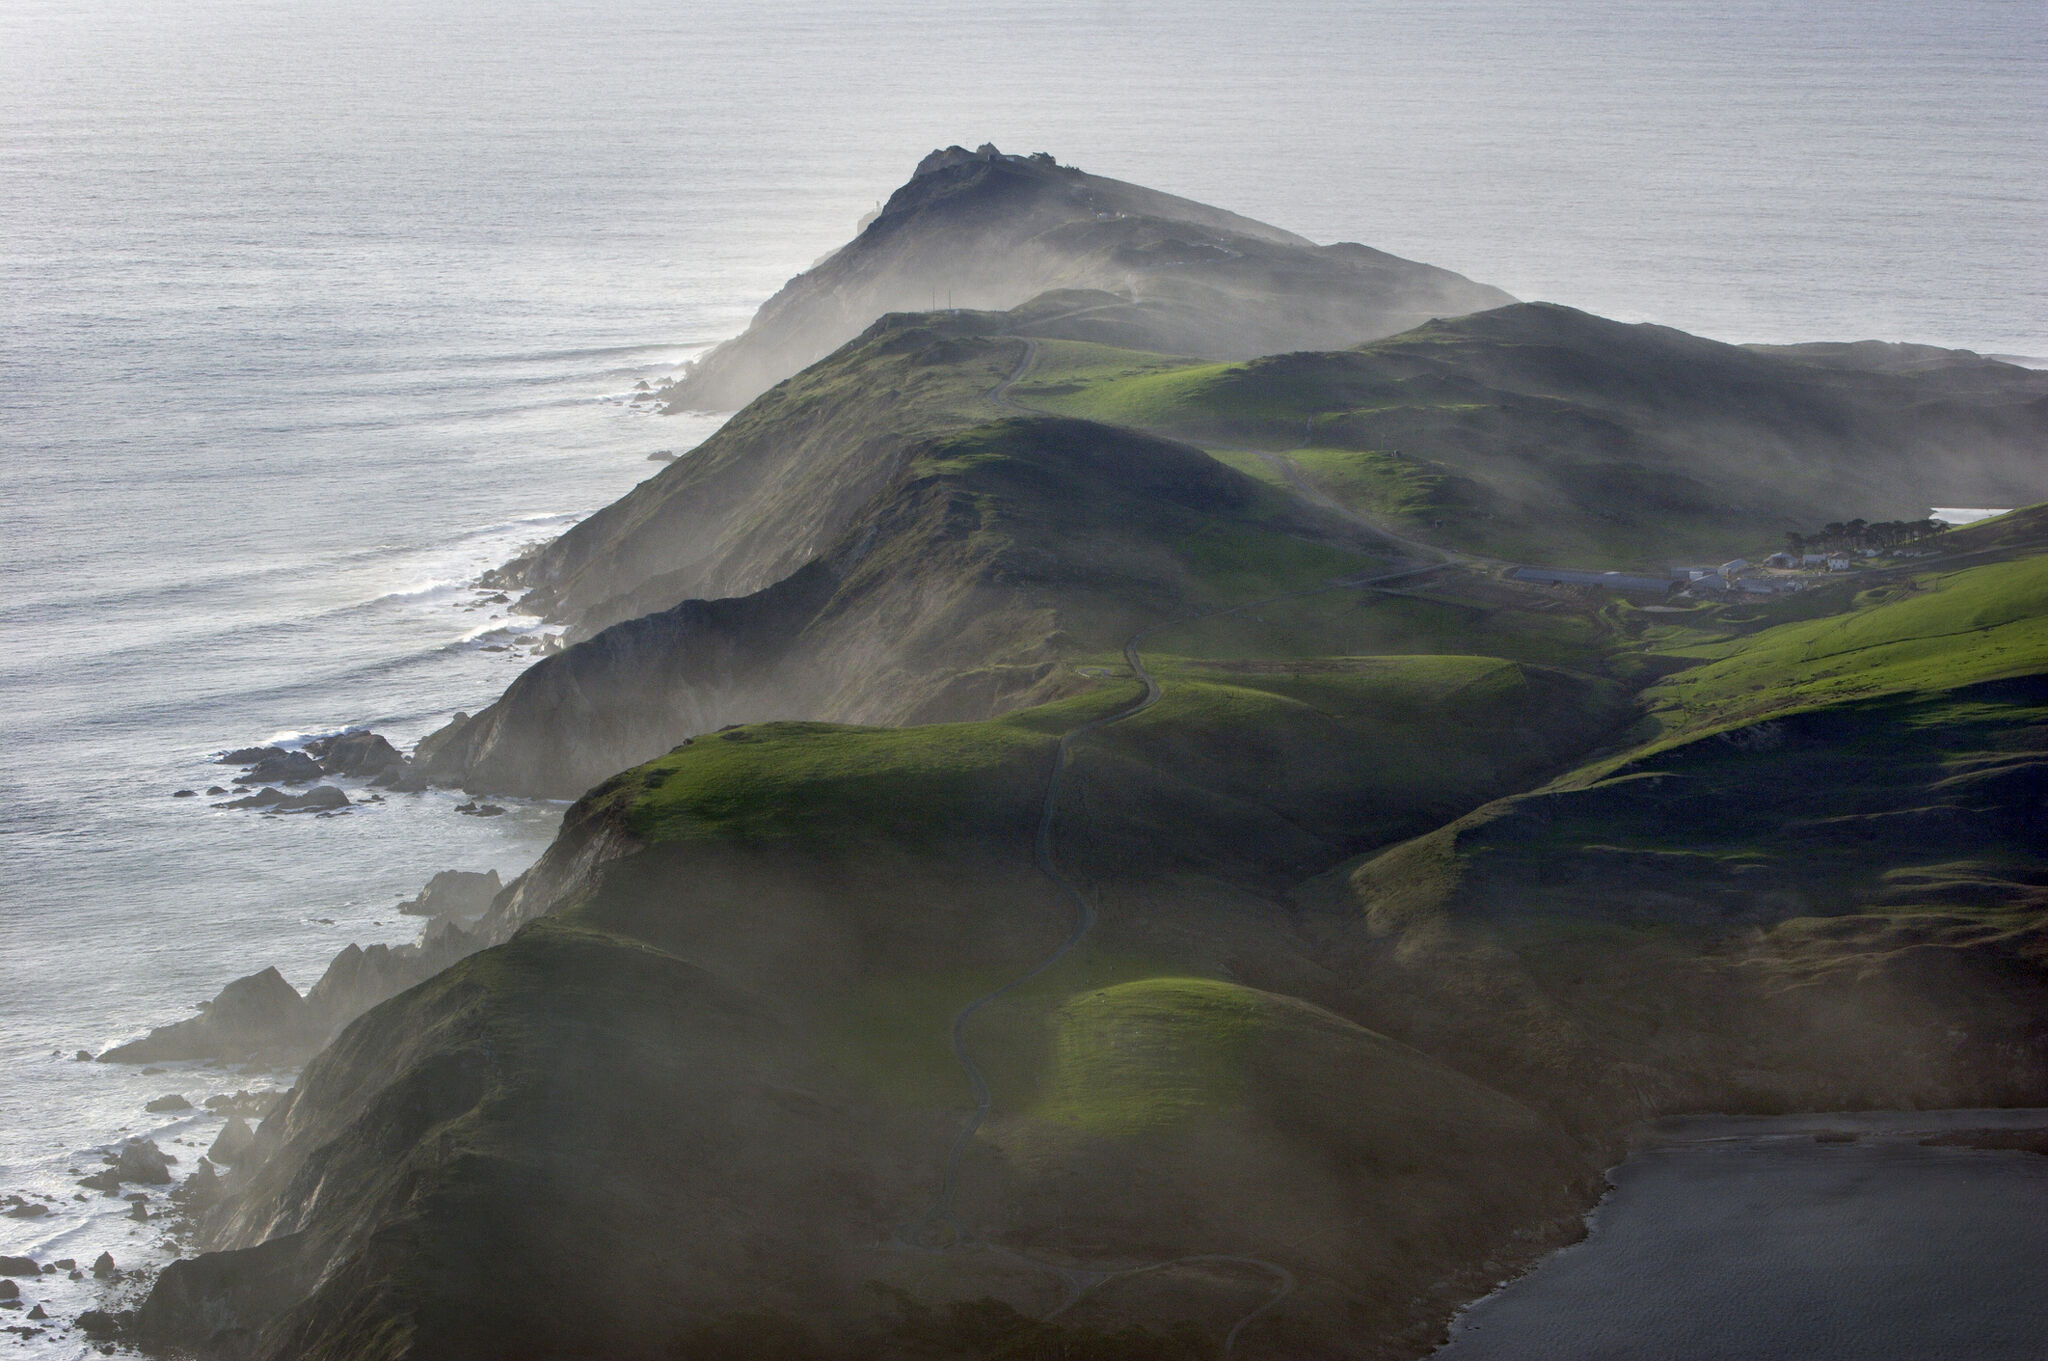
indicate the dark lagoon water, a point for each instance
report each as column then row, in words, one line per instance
column 1751, row 1240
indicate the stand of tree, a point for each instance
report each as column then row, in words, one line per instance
column 1885, row 534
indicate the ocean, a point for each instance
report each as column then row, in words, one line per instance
column 309, row 313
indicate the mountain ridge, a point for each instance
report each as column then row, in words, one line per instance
column 1230, row 911
column 989, row 231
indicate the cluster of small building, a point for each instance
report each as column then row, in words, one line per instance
column 1738, row 576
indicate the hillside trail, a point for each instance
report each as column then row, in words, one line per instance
column 940, row 1229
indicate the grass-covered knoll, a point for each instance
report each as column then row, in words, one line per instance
column 1923, row 633
column 1127, row 527
column 1066, row 366
column 1541, row 434
column 1256, row 764
column 1456, row 612
column 1149, row 1054
column 828, row 786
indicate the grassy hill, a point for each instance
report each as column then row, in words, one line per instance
column 1053, row 879
column 1541, row 434
column 993, row 557
column 1821, row 848
column 985, row 230
column 830, row 896
column 1923, row 632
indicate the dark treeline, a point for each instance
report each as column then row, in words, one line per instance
column 1862, row 534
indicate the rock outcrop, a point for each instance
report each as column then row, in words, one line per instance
column 324, row 798
column 980, row 229
column 454, row 893
column 251, row 1015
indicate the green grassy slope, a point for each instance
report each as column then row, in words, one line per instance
column 1820, row 857
column 1924, row 633
column 996, row 554
column 808, row 906
column 998, row 231
column 780, row 481
column 1541, row 434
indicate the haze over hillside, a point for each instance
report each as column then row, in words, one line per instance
column 1085, row 845
column 980, row 229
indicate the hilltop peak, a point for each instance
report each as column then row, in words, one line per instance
column 946, row 158
column 988, row 230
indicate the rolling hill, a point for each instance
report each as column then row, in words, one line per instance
column 1081, row 848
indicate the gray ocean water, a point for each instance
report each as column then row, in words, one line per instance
column 308, row 312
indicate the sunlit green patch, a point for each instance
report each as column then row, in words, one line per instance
column 1147, row 1055
column 829, row 784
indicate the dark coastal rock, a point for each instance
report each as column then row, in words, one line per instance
column 251, row 1014
column 142, row 1161
column 214, row 789
column 358, row 979
column 99, row 1325
column 361, row 754
column 107, row 1180
column 138, row 1210
column 441, row 740
column 39, row 1313
column 454, row 893
column 164, row 1104
column 215, row 1304
column 186, row 794
column 19, row 1266
column 9, row 1290
column 234, row 1143
column 28, row 1209
column 103, row 1266
column 248, row 756
column 251, row 1105
column 292, row 767
column 199, row 1190
column 319, row 799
